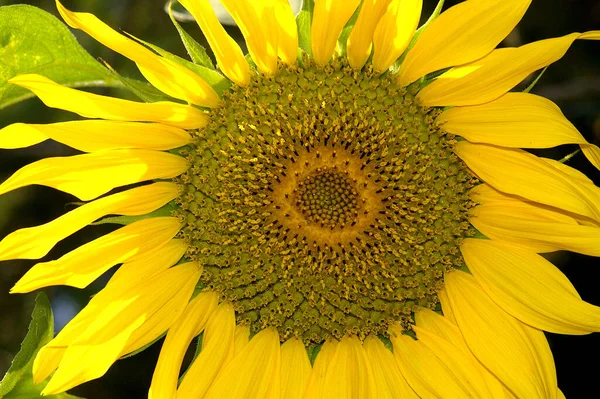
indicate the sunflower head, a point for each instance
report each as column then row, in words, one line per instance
column 359, row 184
column 324, row 201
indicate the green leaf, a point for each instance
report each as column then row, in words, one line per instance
column 18, row 381
column 212, row 77
column 304, row 22
column 197, row 53
column 33, row 41
column 41, row 331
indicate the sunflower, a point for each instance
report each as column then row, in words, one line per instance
column 352, row 216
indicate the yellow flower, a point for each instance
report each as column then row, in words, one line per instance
column 339, row 201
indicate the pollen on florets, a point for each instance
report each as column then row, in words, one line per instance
column 324, row 201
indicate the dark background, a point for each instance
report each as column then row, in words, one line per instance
column 573, row 83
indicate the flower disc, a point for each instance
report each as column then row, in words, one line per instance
column 324, row 201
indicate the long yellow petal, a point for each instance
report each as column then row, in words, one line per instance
column 515, row 120
column 252, row 373
column 166, row 75
column 329, row 18
column 88, row 176
column 228, row 53
column 85, row 264
column 217, row 346
column 256, row 20
column 35, row 242
column 146, row 265
column 361, row 38
column 394, row 32
column 461, row 34
column 432, row 376
column 316, row 382
column 91, row 105
column 242, row 337
column 468, row 371
column 446, row 309
column 94, row 135
column 444, row 328
column 514, row 278
column 535, row 228
column 520, row 173
column 349, row 374
column 108, row 333
column 295, row 369
column 190, row 324
column 592, row 153
column 499, row 341
column 492, row 76
column 155, row 261
column 389, row 381
column 287, row 48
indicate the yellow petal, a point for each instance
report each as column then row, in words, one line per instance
column 91, row 105
column 429, row 375
column 515, row 278
column 217, row 346
column 108, row 333
column 316, row 382
column 349, row 374
column 256, row 20
column 190, row 324
column 388, row 380
column 520, row 173
column 88, row 176
column 85, row 264
column 94, row 135
column 441, row 326
column 515, row 120
column 151, row 264
column 461, row 34
column 499, row 341
column 329, row 18
column 444, row 328
column 229, row 55
column 492, row 76
column 35, row 242
column 447, row 310
column 360, row 40
column 592, row 153
column 486, row 195
column 394, row 32
column 146, row 265
column 21, row 135
column 287, row 48
column 166, row 75
column 535, row 228
column 253, row 372
column 157, row 260
column 242, row 337
column 295, row 369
